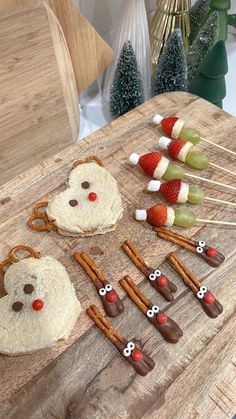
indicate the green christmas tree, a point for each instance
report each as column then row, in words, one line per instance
column 222, row 7
column 205, row 40
column 210, row 83
column 171, row 73
column 127, row 88
column 197, row 17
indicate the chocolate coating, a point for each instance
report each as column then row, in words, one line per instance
column 212, row 310
column 165, row 291
column 213, row 261
column 17, row 306
column 111, row 309
column 142, row 367
column 170, row 330
column 28, row 289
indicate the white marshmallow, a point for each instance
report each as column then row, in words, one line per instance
column 184, row 151
column 177, row 128
column 164, row 142
column 141, row 215
column 154, row 186
column 183, row 193
column 170, row 217
column 157, row 119
column 161, row 168
column 134, row 158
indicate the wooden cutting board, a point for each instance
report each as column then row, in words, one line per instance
column 85, row 377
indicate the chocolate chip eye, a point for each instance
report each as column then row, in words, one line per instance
column 28, row 288
column 85, row 185
column 17, row 306
column 73, row 202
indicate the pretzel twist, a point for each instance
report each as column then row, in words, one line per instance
column 88, row 160
column 39, row 215
column 12, row 258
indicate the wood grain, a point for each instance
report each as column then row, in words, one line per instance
column 33, row 114
column 85, row 377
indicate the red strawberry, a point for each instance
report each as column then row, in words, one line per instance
column 167, row 124
column 174, row 148
column 170, row 190
column 157, row 215
column 149, row 162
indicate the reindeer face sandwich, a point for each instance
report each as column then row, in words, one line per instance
column 90, row 205
column 40, row 308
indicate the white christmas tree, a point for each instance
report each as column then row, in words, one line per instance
column 133, row 27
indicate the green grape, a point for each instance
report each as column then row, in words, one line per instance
column 190, row 134
column 196, row 195
column 184, row 217
column 197, row 160
column 173, row 172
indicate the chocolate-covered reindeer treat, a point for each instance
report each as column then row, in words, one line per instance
column 110, row 300
column 209, row 303
column 211, row 255
column 170, row 331
column 141, row 362
column 157, row 280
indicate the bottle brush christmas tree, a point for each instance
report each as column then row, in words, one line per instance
column 172, row 66
column 222, row 7
column 197, row 16
column 127, row 89
column 210, row 83
column 205, row 40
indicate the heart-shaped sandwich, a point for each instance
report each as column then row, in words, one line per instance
column 40, row 307
column 90, row 205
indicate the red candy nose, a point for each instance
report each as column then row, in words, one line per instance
column 209, row 298
column 37, row 305
column 161, row 281
column 137, row 355
column 211, row 252
column 112, row 297
column 162, row 318
column 92, row 196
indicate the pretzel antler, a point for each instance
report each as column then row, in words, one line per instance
column 12, row 258
column 88, row 160
column 39, row 215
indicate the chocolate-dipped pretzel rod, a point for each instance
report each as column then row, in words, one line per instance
column 199, row 248
column 141, row 362
column 170, row 331
column 158, row 281
column 110, row 300
column 210, row 304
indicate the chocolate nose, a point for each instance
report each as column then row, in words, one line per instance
column 37, row 304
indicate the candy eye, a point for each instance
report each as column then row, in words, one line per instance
column 126, row 352
column 203, row 289
column 152, row 277
column 200, row 295
column 199, row 249
column 131, row 346
column 17, row 306
column 108, row 288
column 85, row 185
column 202, row 243
column 155, row 309
column 150, row 314
column 157, row 273
column 102, row 292
column 28, row 289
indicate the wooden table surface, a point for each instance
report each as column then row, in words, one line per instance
column 85, row 377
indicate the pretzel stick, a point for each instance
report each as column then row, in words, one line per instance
column 93, row 267
column 188, row 272
column 135, row 256
column 77, row 256
column 101, row 326
column 180, row 268
column 176, row 238
column 133, row 295
column 106, row 326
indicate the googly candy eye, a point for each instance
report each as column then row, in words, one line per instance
column 131, row 346
column 126, row 352
column 108, row 287
column 152, row 277
column 203, row 289
column 201, row 243
column 199, row 249
column 200, row 295
column 102, row 292
column 150, row 314
column 157, row 273
column 155, row 309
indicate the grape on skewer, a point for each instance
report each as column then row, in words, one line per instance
column 175, row 128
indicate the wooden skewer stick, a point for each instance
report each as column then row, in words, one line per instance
column 219, row 146
column 220, row 201
column 222, row 168
column 226, row 223
column 214, row 182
